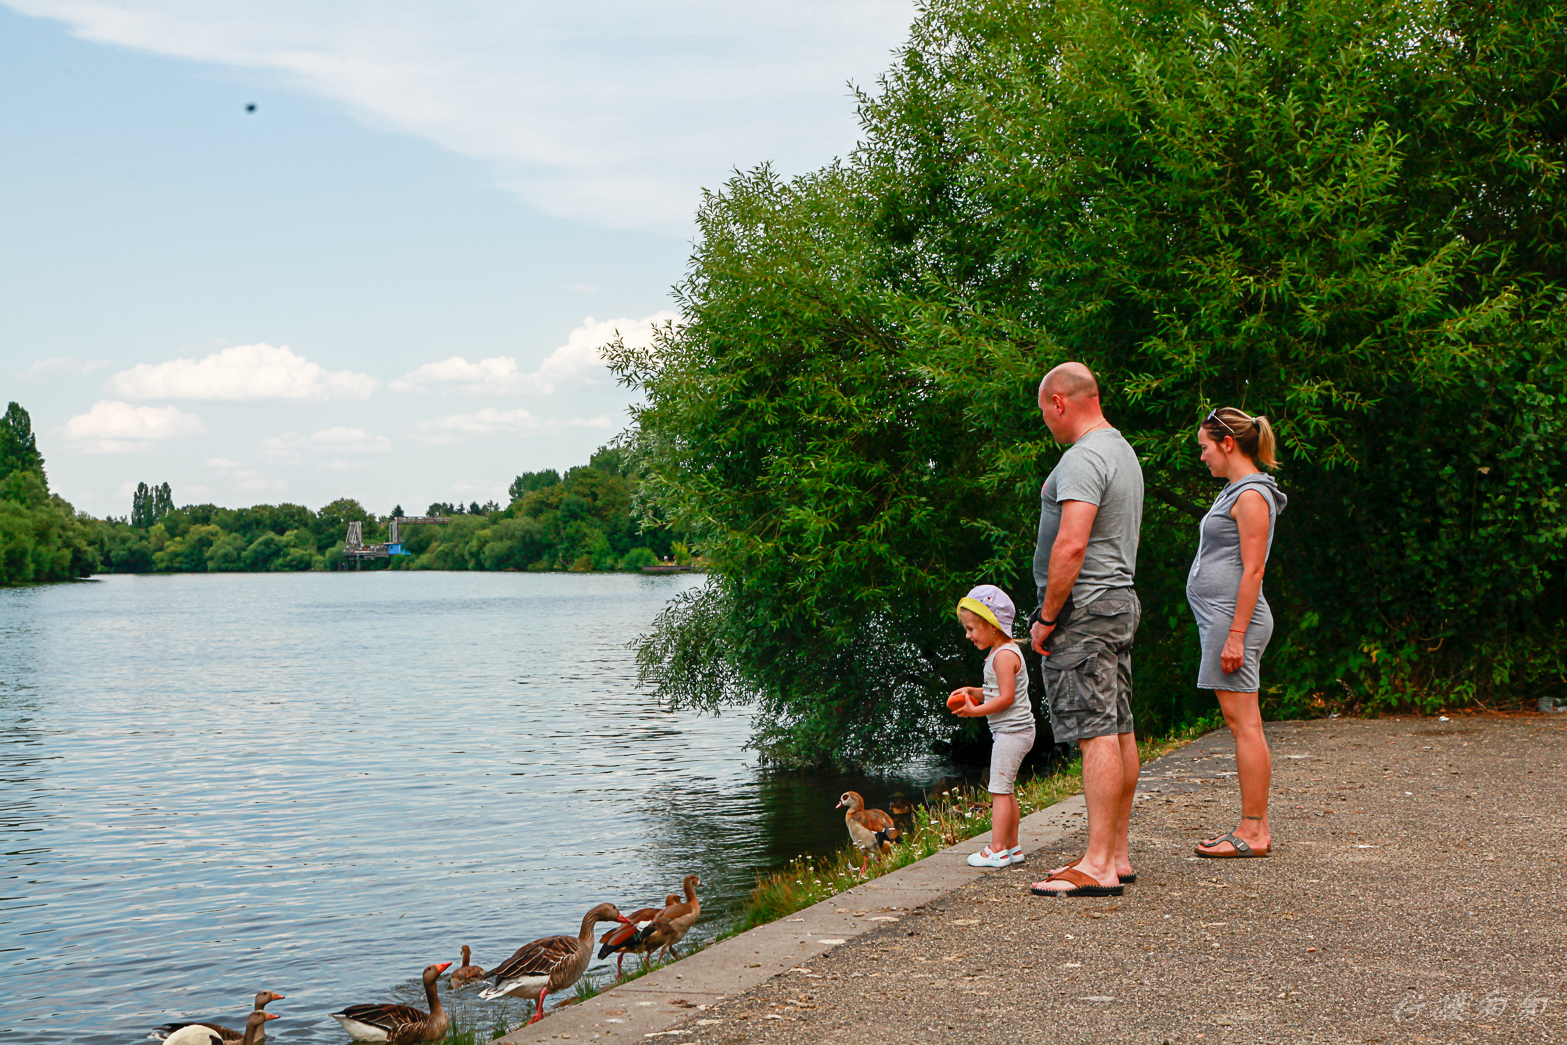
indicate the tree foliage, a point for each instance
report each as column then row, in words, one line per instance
column 41, row 536
column 1348, row 217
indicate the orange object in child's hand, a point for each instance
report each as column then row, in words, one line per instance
column 957, row 700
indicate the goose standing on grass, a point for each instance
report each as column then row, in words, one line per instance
column 399, row 1023
column 623, row 938
column 227, row 1034
column 465, row 973
column 551, row 964
column 201, row 1034
column 870, row 829
column 670, row 925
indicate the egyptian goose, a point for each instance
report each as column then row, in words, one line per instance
column 670, row 925
column 870, row 829
column 228, row 1034
column 551, row 964
column 622, row 938
column 202, row 1034
column 399, row 1023
column 465, row 973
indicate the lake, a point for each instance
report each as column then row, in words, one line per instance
column 320, row 783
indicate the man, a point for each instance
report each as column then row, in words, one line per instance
column 1090, row 516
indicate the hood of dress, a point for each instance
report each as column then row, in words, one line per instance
column 1260, row 479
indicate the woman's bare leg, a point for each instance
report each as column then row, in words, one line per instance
column 1254, row 766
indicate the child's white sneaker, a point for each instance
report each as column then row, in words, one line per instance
column 986, row 858
column 1016, row 855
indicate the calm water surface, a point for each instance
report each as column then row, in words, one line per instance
column 321, row 783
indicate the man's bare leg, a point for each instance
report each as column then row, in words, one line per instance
column 1104, row 772
column 1131, row 767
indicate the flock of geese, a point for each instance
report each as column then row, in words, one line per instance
column 554, row 963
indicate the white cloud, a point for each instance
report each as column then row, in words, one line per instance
column 64, row 364
column 241, row 372
column 487, row 421
column 578, row 360
column 112, row 427
column 615, row 111
column 328, row 448
column 455, row 428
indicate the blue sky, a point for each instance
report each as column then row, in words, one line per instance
column 390, row 279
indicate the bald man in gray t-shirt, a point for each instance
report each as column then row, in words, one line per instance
column 1091, row 512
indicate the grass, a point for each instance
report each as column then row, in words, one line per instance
column 465, row 1032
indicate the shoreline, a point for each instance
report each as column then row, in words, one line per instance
column 645, row 1007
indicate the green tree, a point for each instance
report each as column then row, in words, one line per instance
column 1348, row 217
column 530, row 481
column 18, row 447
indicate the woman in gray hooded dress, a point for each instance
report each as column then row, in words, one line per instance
column 1224, row 590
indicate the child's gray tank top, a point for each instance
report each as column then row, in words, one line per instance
column 1020, row 716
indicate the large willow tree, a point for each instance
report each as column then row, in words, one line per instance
column 1346, row 215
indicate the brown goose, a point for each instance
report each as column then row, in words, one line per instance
column 870, row 829
column 227, row 1034
column 551, row 964
column 669, row 927
column 399, row 1023
column 202, row 1034
column 465, row 973
column 622, row 938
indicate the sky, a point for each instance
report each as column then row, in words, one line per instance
column 281, row 250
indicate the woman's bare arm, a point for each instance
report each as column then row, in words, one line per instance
column 1251, row 518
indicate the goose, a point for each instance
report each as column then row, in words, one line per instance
column 465, row 973
column 227, row 1034
column 870, row 829
column 622, row 938
column 669, row 926
column 902, row 813
column 399, row 1023
column 201, row 1034
column 551, row 964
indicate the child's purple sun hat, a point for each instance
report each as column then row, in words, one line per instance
column 990, row 603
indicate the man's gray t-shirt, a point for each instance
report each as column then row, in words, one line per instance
column 1100, row 468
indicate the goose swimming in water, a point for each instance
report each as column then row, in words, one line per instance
column 399, row 1023
column 201, row 1034
column 228, row 1035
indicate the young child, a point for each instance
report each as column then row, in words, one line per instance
column 987, row 614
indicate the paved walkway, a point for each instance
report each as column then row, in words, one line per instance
column 1415, row 894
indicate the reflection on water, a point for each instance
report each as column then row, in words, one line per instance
column 319, row 784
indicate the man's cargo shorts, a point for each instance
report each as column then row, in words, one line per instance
column 1088, row 675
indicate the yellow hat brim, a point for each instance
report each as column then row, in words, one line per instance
column 980, row 610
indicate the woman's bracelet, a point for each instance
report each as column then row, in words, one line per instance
column 1234, row 631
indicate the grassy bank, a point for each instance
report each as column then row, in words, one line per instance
column 946, row 820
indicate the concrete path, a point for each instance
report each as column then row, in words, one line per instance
column 1415, row 894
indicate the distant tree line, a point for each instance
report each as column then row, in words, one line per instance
column 580, row 521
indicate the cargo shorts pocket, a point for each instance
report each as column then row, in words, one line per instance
column 1071, row 680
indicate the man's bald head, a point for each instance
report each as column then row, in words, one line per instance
column 1069, row 381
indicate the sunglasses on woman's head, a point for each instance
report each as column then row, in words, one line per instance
column 1214, row 416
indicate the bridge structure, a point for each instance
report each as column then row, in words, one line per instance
column 355, row 549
